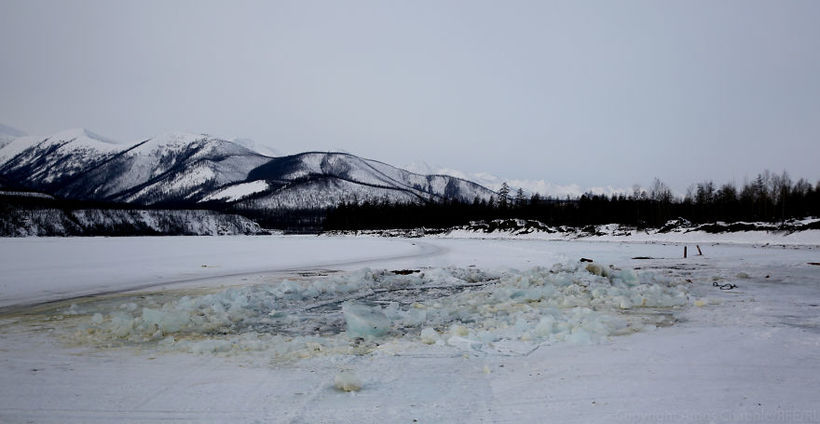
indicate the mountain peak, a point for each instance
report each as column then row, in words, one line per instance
column 178, row 137
column 81, row 134
column 420, row 167
column 174, row 139
column 255, row 147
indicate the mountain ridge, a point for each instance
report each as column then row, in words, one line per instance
column 193, row 169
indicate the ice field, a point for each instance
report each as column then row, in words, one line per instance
column 361, row 329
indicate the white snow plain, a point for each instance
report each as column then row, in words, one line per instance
column 485, row 331
column 50, row 268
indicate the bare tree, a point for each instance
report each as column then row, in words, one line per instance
column 659, row 191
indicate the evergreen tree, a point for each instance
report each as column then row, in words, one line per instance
column 503, row 194
column 520, row 200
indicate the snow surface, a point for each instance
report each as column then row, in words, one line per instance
column 16, row 146
column 699, row 355
column 195, row 176
column 169, row 141
column 237, row 191
column 614, row 233
column 49, row 268
column 327, row 193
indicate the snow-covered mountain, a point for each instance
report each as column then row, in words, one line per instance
column 197, row 168
column 79, row 164
column 316, row 179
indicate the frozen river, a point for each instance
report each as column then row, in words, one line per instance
column 254, row 329
column 46, row 269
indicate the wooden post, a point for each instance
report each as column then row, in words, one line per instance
column 684, row 252
column 699, row 252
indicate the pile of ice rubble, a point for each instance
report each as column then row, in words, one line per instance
column 460, row 309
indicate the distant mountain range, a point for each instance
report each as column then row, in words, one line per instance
column 197, row 169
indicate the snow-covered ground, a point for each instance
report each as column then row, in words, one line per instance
column 39, row 269
column 675, row 233
column 808, row 237
column 268, row 332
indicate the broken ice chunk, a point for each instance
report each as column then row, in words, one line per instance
column 165, row 321
column 597, row 269
column 429, row 336
column 365, row 320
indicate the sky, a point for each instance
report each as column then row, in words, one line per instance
column 562, row 94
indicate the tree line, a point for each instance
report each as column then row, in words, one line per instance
column 768, row 198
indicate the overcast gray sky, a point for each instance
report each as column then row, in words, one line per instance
column 593, row 93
